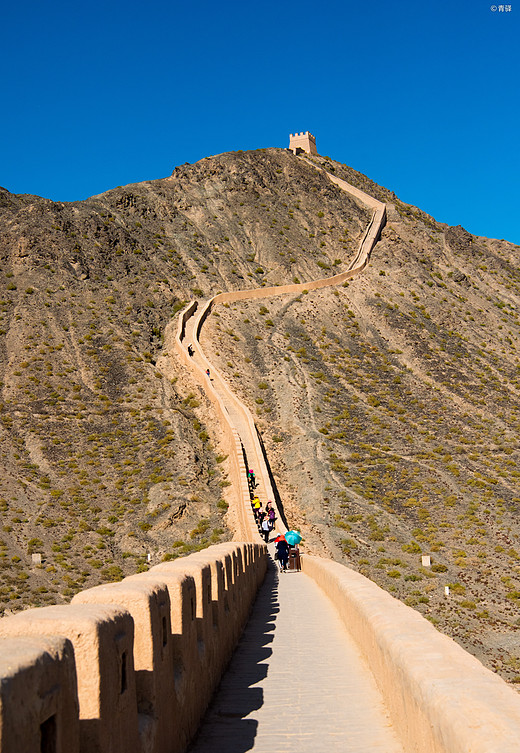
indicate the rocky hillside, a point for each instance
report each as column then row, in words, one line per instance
column 388, row 406
column 106, row 456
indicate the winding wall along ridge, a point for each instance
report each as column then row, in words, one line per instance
column 441, row 699
column 129, row 667
column 234, row 441
column 246, row 526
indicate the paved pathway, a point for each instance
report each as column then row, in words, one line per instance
column 296, row 682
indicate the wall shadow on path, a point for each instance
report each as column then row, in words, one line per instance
column 276, row 493
column 224, row 728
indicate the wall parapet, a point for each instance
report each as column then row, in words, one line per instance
column 127, row 667
column 441, row 699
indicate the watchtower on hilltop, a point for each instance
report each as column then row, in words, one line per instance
column 302, row 142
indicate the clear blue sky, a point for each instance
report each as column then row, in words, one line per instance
column 421, row 96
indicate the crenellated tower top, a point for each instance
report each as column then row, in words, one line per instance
column 302, row 142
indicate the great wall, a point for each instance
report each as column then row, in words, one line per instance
column 133, row 665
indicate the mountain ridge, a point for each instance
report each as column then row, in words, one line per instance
column 342, row 393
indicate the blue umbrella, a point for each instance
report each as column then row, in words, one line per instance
column 293, row 537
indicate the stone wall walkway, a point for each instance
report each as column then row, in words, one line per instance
column 296, row 682
column 231, row 403
column 234, row 413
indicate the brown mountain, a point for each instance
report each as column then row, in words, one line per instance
column 388, row 406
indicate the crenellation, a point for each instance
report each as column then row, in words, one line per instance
column 302, row 142
column 102, row 637
column 121, row 667
column 149, row 605
column 39, row 709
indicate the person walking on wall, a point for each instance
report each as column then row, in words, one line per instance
column 266, row 529
column 256, row 504
column 282, row 548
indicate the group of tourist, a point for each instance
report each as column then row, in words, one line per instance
column 265, row 518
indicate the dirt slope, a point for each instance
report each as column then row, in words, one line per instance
column 389, row 407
